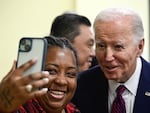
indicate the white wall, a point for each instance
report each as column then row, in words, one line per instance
column 19, row 18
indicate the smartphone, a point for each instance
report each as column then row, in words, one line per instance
column 30, row 48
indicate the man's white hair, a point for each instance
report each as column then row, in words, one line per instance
column 111, row 14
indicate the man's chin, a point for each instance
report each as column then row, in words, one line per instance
column 88, row 64
column 83, row 68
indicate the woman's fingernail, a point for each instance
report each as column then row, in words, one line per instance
column 46, row 80
column 45, row 72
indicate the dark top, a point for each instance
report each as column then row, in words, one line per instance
column 91, row 95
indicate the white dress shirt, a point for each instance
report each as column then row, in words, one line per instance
column 130, row 93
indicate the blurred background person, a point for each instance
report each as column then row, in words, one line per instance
column 77, row 29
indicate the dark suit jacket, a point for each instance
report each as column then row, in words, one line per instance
column 92, row 91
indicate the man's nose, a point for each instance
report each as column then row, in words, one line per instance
column 109, row 54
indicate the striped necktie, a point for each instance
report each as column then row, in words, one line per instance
column 118, row 105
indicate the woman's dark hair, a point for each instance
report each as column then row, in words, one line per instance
column 61, row 42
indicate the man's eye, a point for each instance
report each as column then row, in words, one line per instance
column 99, row 45
column 90, row 45
column 119, row 47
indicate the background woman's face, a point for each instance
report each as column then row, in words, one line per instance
column 62, row 79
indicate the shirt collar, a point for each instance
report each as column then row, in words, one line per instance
column 132, row 83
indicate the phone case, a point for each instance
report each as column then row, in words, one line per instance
column 32, row 48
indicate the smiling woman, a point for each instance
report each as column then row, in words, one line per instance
column 57, row 83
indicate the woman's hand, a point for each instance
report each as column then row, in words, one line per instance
column 13, row 87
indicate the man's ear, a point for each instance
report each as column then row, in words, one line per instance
column 140, row 47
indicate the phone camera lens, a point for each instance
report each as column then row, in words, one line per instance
column 27, row 47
